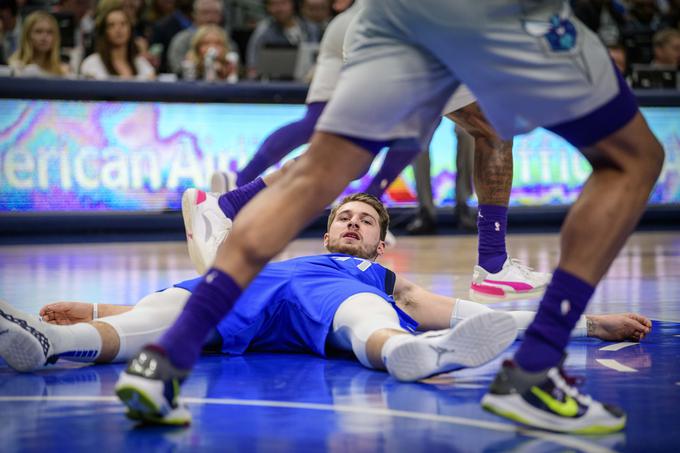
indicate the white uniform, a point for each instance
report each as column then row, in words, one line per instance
column 529, row 62
column 329, row 61
column 462, row 96
column 331, row 57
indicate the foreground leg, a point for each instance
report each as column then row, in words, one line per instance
column 367, row 325
column 496, row 277
column 281, row 143
column 625, row 167
column 399, row 156
column 263, row 228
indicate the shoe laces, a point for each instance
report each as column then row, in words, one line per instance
column 523, row 268
column 567, row 384
column 220, row 236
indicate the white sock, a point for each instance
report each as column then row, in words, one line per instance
column 392, row 342
column 466, row 309
column 78, row 342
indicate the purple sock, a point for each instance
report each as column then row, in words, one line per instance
column 280, row 143
column 232, row 202
column 491, row 223
column 547, row 336
column 400, row 154
column 210, row 302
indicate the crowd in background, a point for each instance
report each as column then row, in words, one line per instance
column 226, row 40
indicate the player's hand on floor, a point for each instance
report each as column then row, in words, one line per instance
column 620, row 327
column 67, row 312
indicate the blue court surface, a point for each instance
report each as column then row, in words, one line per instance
column 293, row 403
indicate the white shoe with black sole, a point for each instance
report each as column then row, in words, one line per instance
column 23, row 342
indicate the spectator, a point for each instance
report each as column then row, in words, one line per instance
column 282, row 28
column 244, row 14
column 158, row 10
column 637, row 33
column 317, row 12
column 10, row 29
column 141, row 30
column 117, row 54
column 672, row 17
column 604, row 17
column 667, row 49
column 166, row 29
column 140, row 27
column 82, row 41
column 210, row 45
column 206, row 12
column 39, row 50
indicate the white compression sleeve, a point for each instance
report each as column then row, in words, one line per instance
column 357, row 318
column 147, row 321
column 465, row 309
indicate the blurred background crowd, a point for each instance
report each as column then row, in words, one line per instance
column 232, row 40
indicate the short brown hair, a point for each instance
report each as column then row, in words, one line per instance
column 383, row 216
column 663, row 37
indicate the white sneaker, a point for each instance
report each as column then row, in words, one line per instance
column 473, row 342
column 223, row 181
column 513, row 281
column 205, row 225
column 390, row 239
column 23, row 342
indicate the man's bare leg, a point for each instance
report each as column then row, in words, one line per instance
column 110, row 342
column 369, row 327
column 493, row 170
column 626, row 165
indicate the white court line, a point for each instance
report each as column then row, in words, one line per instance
column 616, row 365
column 618, row 346
column 560, row 439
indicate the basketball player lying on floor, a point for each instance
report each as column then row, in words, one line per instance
column 343, row 299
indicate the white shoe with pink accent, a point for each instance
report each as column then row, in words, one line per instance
column 205, row 225
column 513, row 281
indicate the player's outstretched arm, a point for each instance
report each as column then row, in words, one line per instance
column 75, row 312
column 434, row 312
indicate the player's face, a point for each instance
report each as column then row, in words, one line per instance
column 355, row 230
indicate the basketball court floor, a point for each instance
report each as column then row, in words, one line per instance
column 294, row 403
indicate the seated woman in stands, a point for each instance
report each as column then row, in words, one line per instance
column 38, row 52
column 209, row 57
column 116, row 54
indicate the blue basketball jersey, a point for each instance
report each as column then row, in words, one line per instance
column 290, row 305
